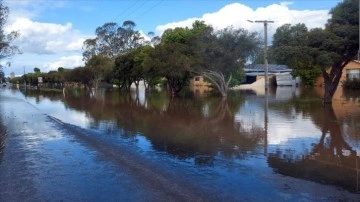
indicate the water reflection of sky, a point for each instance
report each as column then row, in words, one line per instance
column 57, row 109
column 293, row 131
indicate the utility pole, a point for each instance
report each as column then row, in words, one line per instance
column 265, row 50
column 266, row 118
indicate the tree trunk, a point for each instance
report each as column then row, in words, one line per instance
column 137, row 82
column 332, row 79
column 218, row 80
column 146, row 86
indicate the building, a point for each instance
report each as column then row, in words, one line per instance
column 199, row 85
column 350, row 71
column 255, row 72
column 12, row 75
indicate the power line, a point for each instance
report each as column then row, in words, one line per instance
column 147, row 11
column 125, row 11
column 133, row 11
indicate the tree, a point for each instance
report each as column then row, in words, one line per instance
column 112, row 40
column 219, row 56
column 36, row 70
column 339, row 45
column 139, row 71
column 290, row 47
column 224, row 54
column 80, row 74
column 172, row 58
column 6, row 39
column 99, row 67
column 121, row 73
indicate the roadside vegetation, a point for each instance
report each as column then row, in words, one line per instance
column 351, row 84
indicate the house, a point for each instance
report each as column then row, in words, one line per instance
column 282, row 73
column 198, row 81
column 199, row 85
column 350, row 71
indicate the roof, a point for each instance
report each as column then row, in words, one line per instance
column 271, row 68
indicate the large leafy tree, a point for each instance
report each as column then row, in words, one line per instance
column 173, row 58
column 219, row 56
column 326, row 50
column 172, row 62
column 223, row 54
column 99, row 67
column 339, row 44
column 122, row 71
column 290, row 47
column 112, row 39
column 7, row 48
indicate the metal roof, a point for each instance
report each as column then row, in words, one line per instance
column 272, row 68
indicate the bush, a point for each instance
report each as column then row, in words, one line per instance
column 351, row 84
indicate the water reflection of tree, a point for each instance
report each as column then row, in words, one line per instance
column 197, row 128
column 331, row 161
column 2, row 137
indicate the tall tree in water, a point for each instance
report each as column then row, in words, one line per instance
column 337, row 44
column 324, row 51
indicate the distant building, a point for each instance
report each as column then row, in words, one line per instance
column 12, row 75
column 254, row 72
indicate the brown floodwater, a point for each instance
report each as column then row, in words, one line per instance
column 218, row 142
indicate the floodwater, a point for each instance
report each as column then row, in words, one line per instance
column 285, row 145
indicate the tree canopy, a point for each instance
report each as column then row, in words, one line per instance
column 112, row 39
column 291, row 47
column 326, row 51
column 7, row 49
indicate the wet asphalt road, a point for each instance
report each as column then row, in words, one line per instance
column 47, row 160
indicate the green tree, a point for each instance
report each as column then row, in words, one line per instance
column 99, row 66
column 217, row 55
column 81, row 75
column 339, row 45
column 290, row 47
column 7, row 49
column 173, row 58
column 36, row 70
column 122, row 71
column 224, row 53
column 112, row 40
column 327, row 50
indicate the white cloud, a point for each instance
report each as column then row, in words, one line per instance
column 65, row 61
column 286, row 3
column 237, row 14
column 45, row 38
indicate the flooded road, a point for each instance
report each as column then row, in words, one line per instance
column 111, row 146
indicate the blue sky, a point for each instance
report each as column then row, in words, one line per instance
column 52, row 31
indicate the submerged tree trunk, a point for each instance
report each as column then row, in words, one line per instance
column 332, row 79
column 218, row 80
column 137, row 82
column 175, row 84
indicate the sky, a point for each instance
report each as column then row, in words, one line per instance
column 52, row 32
